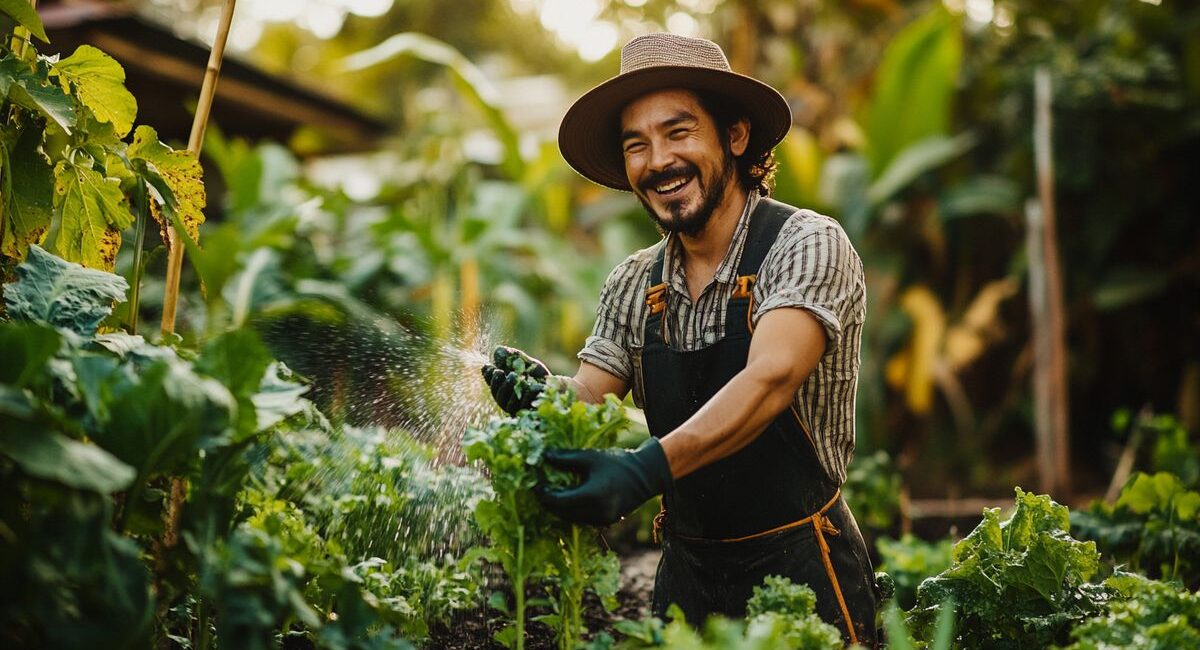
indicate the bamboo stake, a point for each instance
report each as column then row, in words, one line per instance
column 195, row 142
column 1046, row 305
column 175, row 264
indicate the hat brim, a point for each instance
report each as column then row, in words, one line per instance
column 587, row 136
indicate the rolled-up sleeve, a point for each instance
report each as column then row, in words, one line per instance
column 610, row 345
column 813, row 266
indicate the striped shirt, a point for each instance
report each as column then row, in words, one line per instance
column 811, row 266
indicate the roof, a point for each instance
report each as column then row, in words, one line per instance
column 165, row 72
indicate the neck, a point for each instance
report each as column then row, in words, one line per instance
column 708, row 247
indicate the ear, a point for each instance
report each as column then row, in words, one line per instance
column 739, row 137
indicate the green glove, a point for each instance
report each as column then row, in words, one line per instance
column 516, row 380
column 615, row 482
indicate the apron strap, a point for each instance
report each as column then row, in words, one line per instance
column 765, row 224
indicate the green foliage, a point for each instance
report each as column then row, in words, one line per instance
column 1152, row 527
column 97, row 81
column 872, row 491
column 55, row 292
column 1144, row 615
column 1022, row 582
column 95, row 428
column 915, row 85
column 64, row 169
column 909, row 560
column 527, row 541
column 779, row 616
column 25, row 15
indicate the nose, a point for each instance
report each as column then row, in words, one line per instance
column 661, row 156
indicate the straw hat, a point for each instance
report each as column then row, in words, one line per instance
column 588, row 134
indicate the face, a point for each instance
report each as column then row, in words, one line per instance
column 677, row 162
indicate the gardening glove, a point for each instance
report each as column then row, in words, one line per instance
column 615, row 482
column 516, row 379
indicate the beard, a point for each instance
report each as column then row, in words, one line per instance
column 684, row 221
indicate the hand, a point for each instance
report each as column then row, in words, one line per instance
column 515, row 380
column 615, row 482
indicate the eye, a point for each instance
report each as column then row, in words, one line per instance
column 675, row 134
column 634, row 147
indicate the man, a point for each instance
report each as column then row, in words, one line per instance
column 738, row 334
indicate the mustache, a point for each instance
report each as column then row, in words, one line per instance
column 669, row 174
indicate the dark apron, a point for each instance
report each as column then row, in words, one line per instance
column 769, row 509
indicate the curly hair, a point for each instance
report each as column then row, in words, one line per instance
column 755, row 169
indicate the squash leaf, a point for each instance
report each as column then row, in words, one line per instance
column 94, row 211
column 98, row 81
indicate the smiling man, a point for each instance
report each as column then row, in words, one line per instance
column 738, row 334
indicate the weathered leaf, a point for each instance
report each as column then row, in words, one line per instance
column 23, row 13
column 28, row 194
column 55, row 457
column 182, row 173
column 32, row 88
column 56, row 292
column 94, row 211
column 99, row 83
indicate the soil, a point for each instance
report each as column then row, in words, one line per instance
column 473, row 629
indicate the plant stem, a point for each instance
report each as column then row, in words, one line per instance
column 519, row 587
column 139, row 241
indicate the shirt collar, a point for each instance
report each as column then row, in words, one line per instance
column 727, row 269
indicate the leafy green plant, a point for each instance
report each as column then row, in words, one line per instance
column 94, row 428
column 527, row 541
column 69, row 180
column 872, row 491
column 779, row 615
column 1021, row 582
column 909, row 560
column 1144, row 615
column 1153, row 527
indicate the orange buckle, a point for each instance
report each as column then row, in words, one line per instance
column 743, row 284
column 656, row 298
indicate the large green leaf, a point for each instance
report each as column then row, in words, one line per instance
column 25, row 348
column 278, row 397
column 180, row 170
column 23, row 13
column 238, row 359
column 94, row 212
column 99, row 83
column 470, row 81
column 32, row 88
column 55, row 457
column 914, row 86
column 56, row 292
column 916, row 159
column 154, row 419
column 28, row 194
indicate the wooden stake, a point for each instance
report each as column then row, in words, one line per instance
column 195, row 142
column 1046, row 306
column 175, row 264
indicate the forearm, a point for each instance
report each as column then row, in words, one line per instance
column 581, row 390
column 732, row 419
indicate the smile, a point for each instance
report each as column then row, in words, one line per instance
column 673, row 187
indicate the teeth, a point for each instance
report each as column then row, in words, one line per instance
column 662, row 189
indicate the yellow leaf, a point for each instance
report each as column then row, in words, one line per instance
column 979, row 326
column 929, row 325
